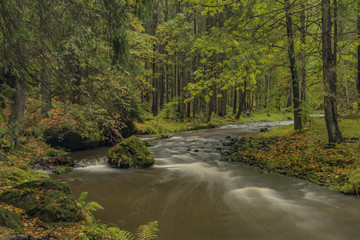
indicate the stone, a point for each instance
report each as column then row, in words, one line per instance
column 48, row 200
column 11, row 220
column 130, row 153
column 264, row 129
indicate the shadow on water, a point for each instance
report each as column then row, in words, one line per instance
column 195, row 196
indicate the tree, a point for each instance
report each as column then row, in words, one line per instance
column 358, row 55
column 329, row 76
column 293, row 70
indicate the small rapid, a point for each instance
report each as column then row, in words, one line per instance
column 195, row 196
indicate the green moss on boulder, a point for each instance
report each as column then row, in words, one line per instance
column 62, row 170
column 130, row 153
column 48, row 200
column 11, row 220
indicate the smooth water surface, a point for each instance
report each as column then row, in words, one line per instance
column 195, row 196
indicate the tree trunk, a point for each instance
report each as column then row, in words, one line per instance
column 294, row 74
column 242, row 101
column 358, row 55
column 76, row 93
column 155, row 103
column 302, row 65
column 45, row 92
column 162, row 89
column 329, row 77
column 235, row 99
column 155, row 99
column 18, row 110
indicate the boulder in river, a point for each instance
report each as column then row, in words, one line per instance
column 48, row 200
column 130, row 153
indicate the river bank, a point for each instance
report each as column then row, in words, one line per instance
column 305, row 154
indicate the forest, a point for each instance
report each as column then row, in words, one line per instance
column 78, row 74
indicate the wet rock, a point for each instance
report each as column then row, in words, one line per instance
column 163, row 136
column 226, row 144
column 11, row 220
column 148, row 144
column 264, row 129
column 53, row 162
column 62, row 170
column 130, row 153
column 48, row 200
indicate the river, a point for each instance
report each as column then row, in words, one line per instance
column 195, row 196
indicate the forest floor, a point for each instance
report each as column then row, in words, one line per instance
column 305, row 154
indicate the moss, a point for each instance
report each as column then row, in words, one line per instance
column 62, row 170
column 11, row 220
column 15, row 176
column 71, row 137
column 131, row 153
column 48, row 200
column 47, row 184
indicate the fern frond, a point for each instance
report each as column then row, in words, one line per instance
column 147, row 232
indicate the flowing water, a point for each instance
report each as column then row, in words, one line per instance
column 195, row 196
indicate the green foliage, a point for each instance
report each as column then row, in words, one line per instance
column 15, row 176
column 147, row 232
column 170, row 110
column 352, row 185
column 62, row 170
column 88, row 207
column 94, row 230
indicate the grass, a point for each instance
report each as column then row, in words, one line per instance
column 305, row 154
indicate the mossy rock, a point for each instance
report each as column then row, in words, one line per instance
column 62, row 170
column 130, row 153
column 11, row 220
column 14, row 176
column 48, row 200
column 71, row 137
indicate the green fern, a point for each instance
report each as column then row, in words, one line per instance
column 95, row 230
column 88, row 207
column 147, row 232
